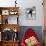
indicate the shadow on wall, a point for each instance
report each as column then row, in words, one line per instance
column 37, row 29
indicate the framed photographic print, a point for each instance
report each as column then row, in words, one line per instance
column 5, row 12
column 13, row 12
column 31, row 13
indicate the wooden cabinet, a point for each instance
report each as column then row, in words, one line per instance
column 9, row 23
column 9, row 15
column 10, row 43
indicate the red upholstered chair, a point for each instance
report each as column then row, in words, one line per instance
column 29, row 33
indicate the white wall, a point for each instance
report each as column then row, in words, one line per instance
column 6, row 3
column 27, row 4
column 39, row 13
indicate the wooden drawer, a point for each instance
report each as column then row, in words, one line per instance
column 9, row 43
